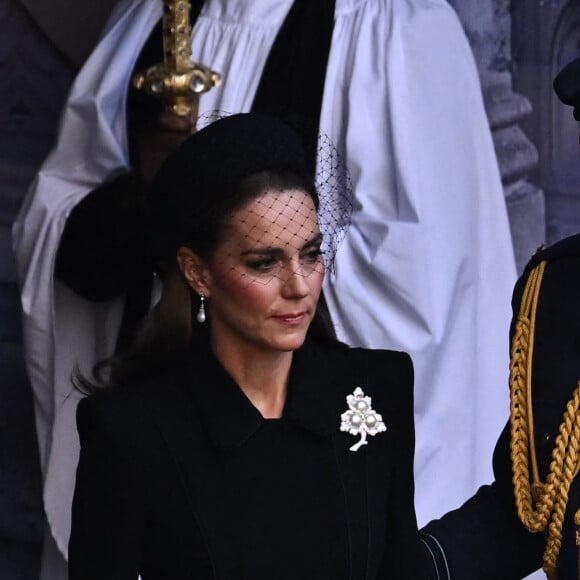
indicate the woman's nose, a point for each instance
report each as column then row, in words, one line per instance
column 295, row 284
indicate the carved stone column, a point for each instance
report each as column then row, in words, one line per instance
column 546, row 36
column 487, row 24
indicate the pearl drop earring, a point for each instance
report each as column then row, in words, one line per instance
column 201, row 312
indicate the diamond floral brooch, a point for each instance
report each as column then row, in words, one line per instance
column 360, row 418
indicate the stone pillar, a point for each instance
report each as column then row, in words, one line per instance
column 487, row 24
column 545, row 37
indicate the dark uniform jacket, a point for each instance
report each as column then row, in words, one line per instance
column 484, row 538
column 181, row 477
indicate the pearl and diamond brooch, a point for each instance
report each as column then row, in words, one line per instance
column 360, row 418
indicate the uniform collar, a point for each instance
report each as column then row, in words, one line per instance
column 231, row 419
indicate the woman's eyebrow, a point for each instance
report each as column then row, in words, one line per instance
column 262, row 251
column 269, row 250
column 316, row 239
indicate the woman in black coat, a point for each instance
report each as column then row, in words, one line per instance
column 242, row 442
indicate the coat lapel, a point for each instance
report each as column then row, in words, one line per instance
column 201, row 401
column 175, row 416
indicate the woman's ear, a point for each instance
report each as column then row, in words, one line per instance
column 194, row 271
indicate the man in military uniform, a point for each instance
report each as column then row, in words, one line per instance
column 537, row 457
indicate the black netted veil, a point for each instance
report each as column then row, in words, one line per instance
column 203, row 176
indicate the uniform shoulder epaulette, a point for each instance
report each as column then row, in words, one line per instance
column 541, row 505
column 569, row 246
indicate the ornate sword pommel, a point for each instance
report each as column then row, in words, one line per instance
column 177, row 82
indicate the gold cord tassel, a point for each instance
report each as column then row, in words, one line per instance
column 541, row 506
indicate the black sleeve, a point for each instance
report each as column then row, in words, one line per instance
column 107, row 514
column 406, row 556
column 104, row 243
column 483, row 539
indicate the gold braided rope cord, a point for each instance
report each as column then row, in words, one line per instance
column 550, row 498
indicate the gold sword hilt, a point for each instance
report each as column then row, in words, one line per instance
column 177, row 82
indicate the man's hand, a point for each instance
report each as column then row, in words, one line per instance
column 163, row 136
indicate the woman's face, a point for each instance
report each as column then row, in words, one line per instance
column 264, row 280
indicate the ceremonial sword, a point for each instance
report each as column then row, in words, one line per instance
column 177, row 82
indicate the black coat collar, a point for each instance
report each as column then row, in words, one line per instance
column 231, row 419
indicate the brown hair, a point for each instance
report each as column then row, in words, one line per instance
column 215, row 172
column 168, row 331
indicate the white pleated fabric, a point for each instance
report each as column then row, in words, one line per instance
column 427, row 266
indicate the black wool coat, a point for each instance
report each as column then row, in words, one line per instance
column 181, row 477
column 484, row 538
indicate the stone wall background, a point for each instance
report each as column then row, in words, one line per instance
column 518, row 47
column 488, row 27
column 545, row 37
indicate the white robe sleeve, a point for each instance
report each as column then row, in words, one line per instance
column 427, row 265
column 61, row 330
